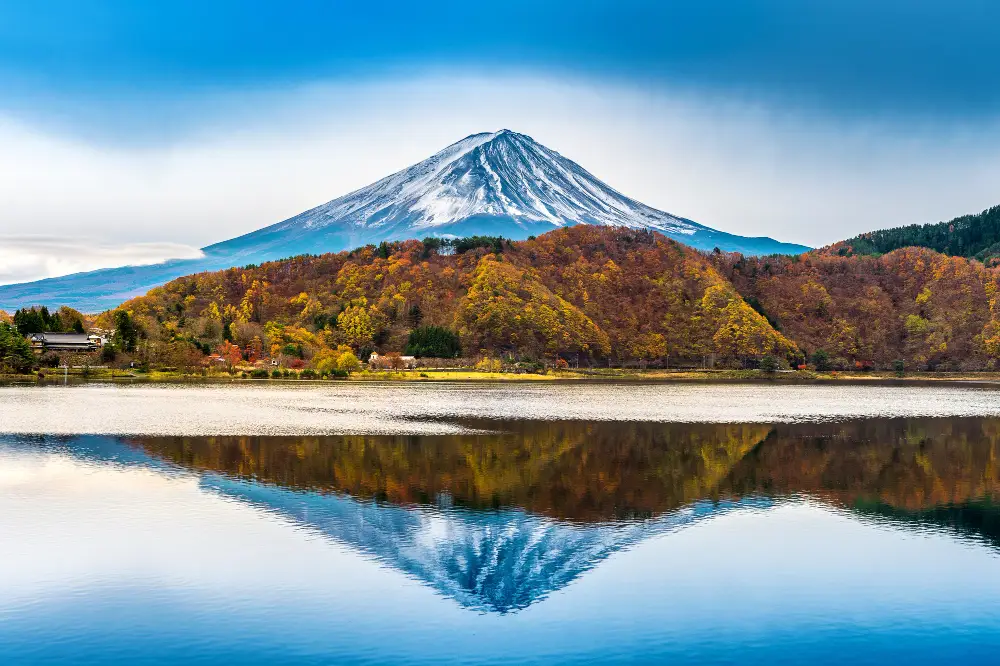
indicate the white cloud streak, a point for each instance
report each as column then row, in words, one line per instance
column 261, row 157
column 32, row 258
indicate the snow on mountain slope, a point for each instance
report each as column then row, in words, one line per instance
column 498, row 174
column 500, row 183
column 491, row 561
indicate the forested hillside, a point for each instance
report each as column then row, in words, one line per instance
column 584, row 294
column 976, row 236
column 928, row 310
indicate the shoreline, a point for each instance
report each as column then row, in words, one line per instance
column 801, row 377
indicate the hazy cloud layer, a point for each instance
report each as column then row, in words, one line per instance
column 735, row 164
column 32, row 258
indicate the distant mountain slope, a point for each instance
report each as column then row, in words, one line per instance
column 499, row 184
column 973, row 236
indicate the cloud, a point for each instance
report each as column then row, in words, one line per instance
column 28, row 258
column 734, row 163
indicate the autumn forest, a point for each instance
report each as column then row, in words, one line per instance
column 577, row 296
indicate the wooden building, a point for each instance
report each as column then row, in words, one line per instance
column 65, row 342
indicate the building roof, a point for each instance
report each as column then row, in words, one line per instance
column 62, row 338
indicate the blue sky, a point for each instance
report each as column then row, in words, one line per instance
column 909, row 56
column 145, row 122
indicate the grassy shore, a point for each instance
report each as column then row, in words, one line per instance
column 460, row 375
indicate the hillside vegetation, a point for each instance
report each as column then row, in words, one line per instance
column 974, row 236
column 584, row 294
column 913, row 305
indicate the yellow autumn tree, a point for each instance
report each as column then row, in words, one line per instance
column 505, row 308
column 356, row 325
column 740, row 331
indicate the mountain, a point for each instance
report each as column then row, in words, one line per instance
column 490, row 561
column 973, row 236
column 499, row 184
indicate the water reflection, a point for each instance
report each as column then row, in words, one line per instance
column 585, row 472
column 497, row 521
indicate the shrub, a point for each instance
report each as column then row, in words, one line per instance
column 337, row 373
column 899, row 367
column 821, row 360
column 49, row 360
column 347, row 363
column 259, row 373
column 307, row 374
column 490, row 365
column 769, row 364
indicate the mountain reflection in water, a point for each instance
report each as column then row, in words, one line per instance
column 497, row 521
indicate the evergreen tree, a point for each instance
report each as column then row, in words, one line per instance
column 975, row 236
column 15, row 352
column 126, row 332
column 36, row 320
column 433, row 342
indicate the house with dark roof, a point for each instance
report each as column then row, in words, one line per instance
column 65, row 342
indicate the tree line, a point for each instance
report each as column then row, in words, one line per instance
column 973, row 236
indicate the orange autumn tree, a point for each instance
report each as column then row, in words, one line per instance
column 230, row 353
column 915, row 305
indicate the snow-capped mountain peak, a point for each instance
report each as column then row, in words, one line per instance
column 500, row 182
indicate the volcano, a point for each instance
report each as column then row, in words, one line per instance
column 497, row 184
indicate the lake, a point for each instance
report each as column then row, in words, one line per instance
column 356, row 523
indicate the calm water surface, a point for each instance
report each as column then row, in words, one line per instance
column 499, row 524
